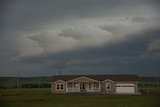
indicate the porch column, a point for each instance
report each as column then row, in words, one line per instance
column 71, row 86
column 86, row 86
column 66, row 87
column 92, row 86
column 79, row 87
column 74, row 86
column 99, row 86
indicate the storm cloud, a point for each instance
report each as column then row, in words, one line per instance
column 79, row 37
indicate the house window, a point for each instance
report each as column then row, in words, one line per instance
column 89, row 85
column 59, row 86
column 108, row 86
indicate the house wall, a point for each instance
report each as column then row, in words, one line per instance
column 104, row 88
column 53, row 87
column 70, row 85
column 136, row 87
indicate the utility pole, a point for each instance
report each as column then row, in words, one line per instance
column 39, row 82
column 17, row 81
column 159, row 80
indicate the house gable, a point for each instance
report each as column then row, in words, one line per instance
column 108, row 80
column 83, row 79
column 59, row 81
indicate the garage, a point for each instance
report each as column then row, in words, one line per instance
column 124, row 88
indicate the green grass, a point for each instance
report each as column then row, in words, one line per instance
column 150, row 90
column 43, row 98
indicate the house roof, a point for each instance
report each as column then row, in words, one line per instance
column 128, row 78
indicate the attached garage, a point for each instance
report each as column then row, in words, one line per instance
column 125, row 88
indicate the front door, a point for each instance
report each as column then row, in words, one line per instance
column 82, row 87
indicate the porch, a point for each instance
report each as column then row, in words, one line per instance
column 83, row 87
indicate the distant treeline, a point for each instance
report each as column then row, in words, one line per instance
column 30, row 86
column 25, row 82
column 44, row 82
column 149, row 82
column 35, row 85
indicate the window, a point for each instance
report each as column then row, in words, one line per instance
column 108, row 86
column 89, row 85
column 59, row 86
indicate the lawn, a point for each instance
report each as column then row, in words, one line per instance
column 43, row 98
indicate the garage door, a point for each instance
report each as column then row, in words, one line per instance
column 124, row 88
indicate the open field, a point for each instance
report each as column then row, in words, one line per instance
column 43, row 98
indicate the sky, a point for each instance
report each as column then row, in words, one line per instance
column 79, row 37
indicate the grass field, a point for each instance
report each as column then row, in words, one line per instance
column 43, row 98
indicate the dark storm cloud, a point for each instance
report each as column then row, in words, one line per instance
column 22, row 13
column 124, row 53
column 25, row 46
column 140, row 19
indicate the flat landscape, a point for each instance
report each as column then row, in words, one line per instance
column 43, row 98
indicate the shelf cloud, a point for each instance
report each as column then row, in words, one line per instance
column 79, row 37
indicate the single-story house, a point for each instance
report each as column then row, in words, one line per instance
column 109, row 84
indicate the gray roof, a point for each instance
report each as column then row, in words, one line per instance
column 128, row 78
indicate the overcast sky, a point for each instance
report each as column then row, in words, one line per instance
column 44, row 37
